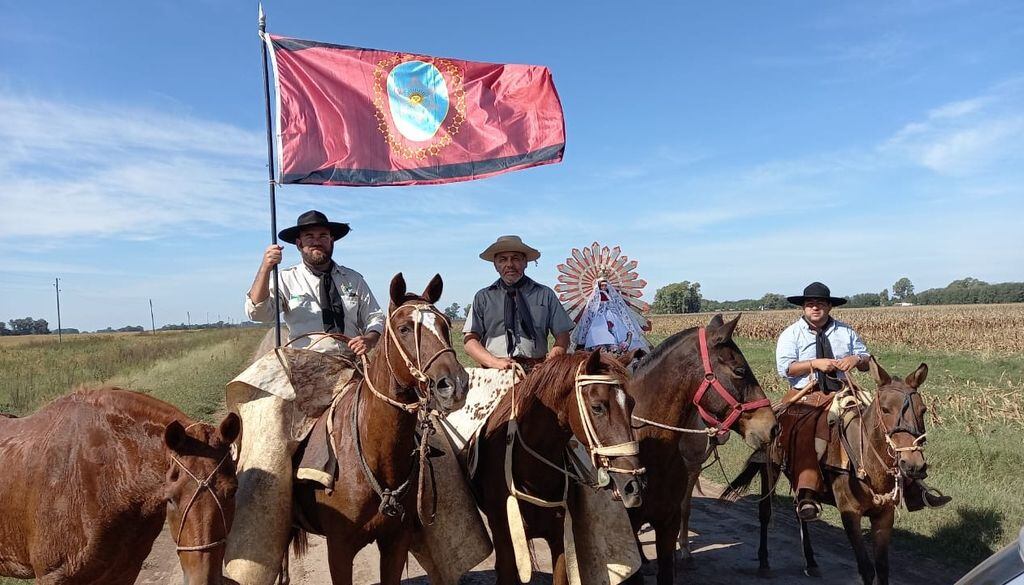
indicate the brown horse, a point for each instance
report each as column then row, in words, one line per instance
column 537, row 419
column 675, row 388
column 89, row 479
column 413, row 371
column 887, row 438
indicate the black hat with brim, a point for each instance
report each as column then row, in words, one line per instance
column 310, row 219
column 816, row 290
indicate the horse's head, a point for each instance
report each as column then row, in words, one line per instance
column 900, row 409
column 200, row 492
column 418, row 346
column 737, row 399
column 600, row 415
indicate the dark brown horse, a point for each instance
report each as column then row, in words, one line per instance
column 413, row 370
column 887, row 439
column 536, row 420
column 89, row 479
column 671, row 387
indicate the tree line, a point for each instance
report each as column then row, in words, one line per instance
column 685, row 297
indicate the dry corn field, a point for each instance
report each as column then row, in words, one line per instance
column 986, row 328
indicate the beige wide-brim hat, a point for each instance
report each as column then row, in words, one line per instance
column 509, row 244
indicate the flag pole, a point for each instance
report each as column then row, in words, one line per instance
column 270, row 168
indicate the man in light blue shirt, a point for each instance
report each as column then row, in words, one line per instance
column 816, row 343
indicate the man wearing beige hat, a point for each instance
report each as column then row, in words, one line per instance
column 510, row 320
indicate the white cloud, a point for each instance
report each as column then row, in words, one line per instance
column 127, row 173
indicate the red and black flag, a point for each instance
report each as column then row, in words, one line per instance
column 363, row 117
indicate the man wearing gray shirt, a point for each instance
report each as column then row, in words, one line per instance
column 509, row 321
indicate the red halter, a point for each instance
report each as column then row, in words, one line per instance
column 710, row 381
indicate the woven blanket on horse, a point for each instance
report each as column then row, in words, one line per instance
column 486, row 389
column 279, row 398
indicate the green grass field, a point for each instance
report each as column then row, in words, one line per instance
column 975, row 446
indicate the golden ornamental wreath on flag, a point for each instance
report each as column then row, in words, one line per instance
column 582, row 272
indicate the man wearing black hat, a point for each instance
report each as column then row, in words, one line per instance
column 318, row 294
column 820, row 345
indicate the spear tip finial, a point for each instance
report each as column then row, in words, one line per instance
column 263, row 18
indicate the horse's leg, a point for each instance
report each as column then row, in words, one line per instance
column 810, row 565
column 284, row 578
column 764, row 517
column 504, row 553
column 666, row 533
column 851, row 523
column 340, row 556
column 881, row 535
column 559, row 573
column 394, row 553
column 684, row 510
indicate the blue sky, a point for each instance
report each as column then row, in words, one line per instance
column 751, row 147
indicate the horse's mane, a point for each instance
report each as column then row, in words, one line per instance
column 670, row 343
column 553, row 380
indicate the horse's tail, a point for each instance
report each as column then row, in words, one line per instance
column 300, row 542
column 741, row 485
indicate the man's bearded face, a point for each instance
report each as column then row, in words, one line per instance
column 316, row 245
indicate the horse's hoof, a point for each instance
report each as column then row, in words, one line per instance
column 764, row 572
column 812, row 572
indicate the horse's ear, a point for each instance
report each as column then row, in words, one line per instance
column 723, row 332
column 917, row 378
column 230, row 428
column 716, row 322
column 627, row 358
column 433, row 291
column 174, row 435
column 878, row 373
column 397, row 290
column 593, row 363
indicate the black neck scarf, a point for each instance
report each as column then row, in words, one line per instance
column 331, row 306
column 823, row 349
column 516, row 311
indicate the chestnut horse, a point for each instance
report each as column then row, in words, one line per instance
column 536, row 420
column 888, row 434
column 694, row 375
column 89, row 479
column 413, row 372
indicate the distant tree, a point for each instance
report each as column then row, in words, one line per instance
column 40, row 327
column 864, row 300
column 883, row 298
column 131, row 329
column 678, row 297
column 3, row 329
column 68, row 331
column 452, row 312
column 774, row 301
column 24, row 326
column 903, row 290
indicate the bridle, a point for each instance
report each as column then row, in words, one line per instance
column 390, row 499
column 203, row 484
column 716, row 427
column 901, row 426
column 600, row 454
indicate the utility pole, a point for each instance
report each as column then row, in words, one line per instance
column 152, row 321
column 56, row 286
column 188, row 319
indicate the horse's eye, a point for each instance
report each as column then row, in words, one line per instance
column 598, row 409
column 739, row 372
column 405, row 330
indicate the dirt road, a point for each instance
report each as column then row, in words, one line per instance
column 723, row 538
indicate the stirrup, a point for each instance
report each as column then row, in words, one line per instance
column 934, row 495
column 808, row 510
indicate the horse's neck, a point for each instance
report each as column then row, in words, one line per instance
column 542, row 430
column 664, row 397
column 869, row 438
column 387, row 432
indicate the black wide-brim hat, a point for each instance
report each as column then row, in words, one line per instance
column 310, row 219
column 816, row 290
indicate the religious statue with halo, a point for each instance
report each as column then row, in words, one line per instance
column 601, row 289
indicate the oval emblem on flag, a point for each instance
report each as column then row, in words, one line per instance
column 418, row 99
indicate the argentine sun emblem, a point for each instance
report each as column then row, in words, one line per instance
column 420, row 104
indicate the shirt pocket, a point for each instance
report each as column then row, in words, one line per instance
column 351, row 301
column 539, row 314
column 302, row 307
